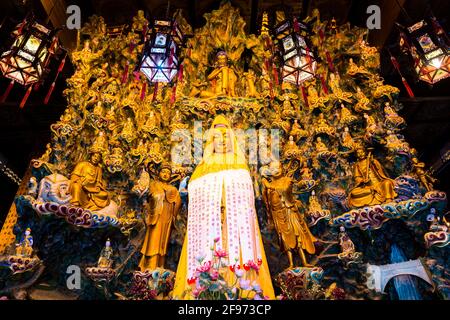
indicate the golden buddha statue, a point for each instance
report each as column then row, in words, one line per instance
column 338, row 93
column 250, row 88
column 315, row 210
column 178, row 121
column 347, row 140
column 100, row 143
column 128, row 132
column 320, row 146
column 151, row 124
column 363, row 101
column 314, row 101
column 392, row 119
column 88, row 189
column 222, row 79
column 154, row 151
column 25, row 247
column 424, row 177
column 163, row 206
column 110, row 117
column 372, row 185
column 354, row 69
column 322, row 126
column 291, row 150
column 105, row 259
column 297, row 132
column 346, row 117
column 284, row 215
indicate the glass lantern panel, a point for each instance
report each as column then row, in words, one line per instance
column 288, row 43
column 160, row 40
column 43, row 55
column 25, row 55
column 301, row 41
column 426, row 43
column 290, row 55
column 32, row 44
column 158, row 50
column 41, row 28
column 434, row 54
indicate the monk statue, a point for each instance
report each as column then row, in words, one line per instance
column 222, row 79
column 164, row 204
column 289, row 223
column 222, row 216
column 372, row 185
column 88, row 189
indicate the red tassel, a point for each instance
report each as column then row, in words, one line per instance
column 267, row 64
column 49, row 93
column 155, row 92
column 170, row 57
column 144, row 32
column 25, row 97
column 275, row 74
column 321, row 35
column 408, row 88
column 8, row 90
column 305, row 96
column 143, row 90
column 324, row 84
column 125, row 73
column 174, row 95
column 330, row 62
column 180, row 73
column 296, row 25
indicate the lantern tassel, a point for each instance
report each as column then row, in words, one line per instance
column 49, row 93
column 8, row 90
column 180, row 73
column 155, row 92
column 330, row 61
column 296, row 25
column 324, row 84
column 25, row 97
column 305, row 96
column 408, row 88
column 174, row 95
column 125, row 73
column 143, row 90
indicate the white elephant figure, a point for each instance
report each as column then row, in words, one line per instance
column 54, row 188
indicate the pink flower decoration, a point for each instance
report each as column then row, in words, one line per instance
column 244, row 284
column 220, row 253
column 214, row 275
column 205, row 267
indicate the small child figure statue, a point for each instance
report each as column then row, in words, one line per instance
column 105, row 260
column 25, row 247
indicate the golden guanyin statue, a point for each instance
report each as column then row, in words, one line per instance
column 154, row 151
column 392, row 119
column 87, row 187
column 151, row 124
column 363, row 101
column 354, row 69
column 222, row 215
column 372, row 185
column 425, row 178
column 250, row 88
column 320, row 146
column 222, row 79
column 100, row 143
column 163, row 206
column 284, row 215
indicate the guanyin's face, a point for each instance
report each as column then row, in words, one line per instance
column 222, row 140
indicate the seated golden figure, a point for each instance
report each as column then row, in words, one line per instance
column 222, row 79
column 88, row 189
column 372, row 185
column 363, row 101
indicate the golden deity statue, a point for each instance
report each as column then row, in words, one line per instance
column 392, row 119
column 297, row 132
column 214, row 215
column 222, row 79
column 128, row 132
column 314, row 101
column 284, row 215
column 320, row 146
column 372, row 185
column 354, row 69
column 100, row 143
column 105, row 260
column 151, row 124
column 338, row 93
column 347, row 139
column 291, row 150
column 154, row 151
column 163, row 206
column 363, row 101
column 250, row 88
column 88, row 189
column 25, row 247
column 322, row 126
column 424, row 177
column 346, row 116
